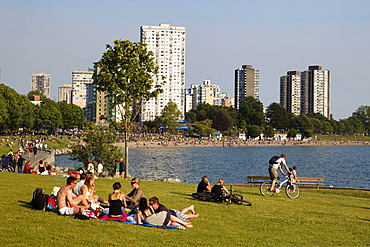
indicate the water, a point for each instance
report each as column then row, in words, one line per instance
column 340, row 166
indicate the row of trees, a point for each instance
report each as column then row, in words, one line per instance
column 17, row 111
column 252, row 119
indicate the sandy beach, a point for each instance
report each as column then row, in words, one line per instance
column 233, row 143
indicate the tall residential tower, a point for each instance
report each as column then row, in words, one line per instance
column 246, row 84
column 306, row 92
column 168, row 45
column 41, row 82
column 80, row 80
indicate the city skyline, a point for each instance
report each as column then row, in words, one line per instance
column 274, row 37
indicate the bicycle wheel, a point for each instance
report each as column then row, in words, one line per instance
column 236, row 197
column 244, row 202
column 292, row 191
column 265, row 189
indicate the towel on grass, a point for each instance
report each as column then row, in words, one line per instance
column 124, row 217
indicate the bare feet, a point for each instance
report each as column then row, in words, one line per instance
column 188, row 224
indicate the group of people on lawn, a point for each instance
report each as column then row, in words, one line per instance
column 76, row 197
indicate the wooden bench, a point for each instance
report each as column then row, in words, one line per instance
column 302, row 181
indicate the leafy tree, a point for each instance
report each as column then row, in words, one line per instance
column 97, row 144
column 254, row 131
column 305, row 125
column 222, row 120
column 28, row 112
column 12, row 102
column 125, row 72
column 269, row 132
column 363, row 114
column 3, row 112
column 72, row 115
column 169, row 116
column 292, row 133
column 251, row 111
column 204, row 127
column 277, row 116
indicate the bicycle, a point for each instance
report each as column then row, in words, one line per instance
column 291, row 189
column 235, row 198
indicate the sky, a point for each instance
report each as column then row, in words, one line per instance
column 275, row 36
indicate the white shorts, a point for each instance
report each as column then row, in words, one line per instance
column 66, row 211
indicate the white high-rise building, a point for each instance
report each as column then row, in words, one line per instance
column 80, row 79
column 168, row 45
column 290, row 92
column 41, row 82
column 65, row 93
column 207, row 93
column 315, row 91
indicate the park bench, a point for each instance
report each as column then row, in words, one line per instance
column 302, row 181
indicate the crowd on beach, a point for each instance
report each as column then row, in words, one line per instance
column 80, row 198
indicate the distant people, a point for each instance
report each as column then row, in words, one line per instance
column 67, row 204
column 48, row 167
column 117, row 201
column 27, row 167
column 20, row 163
column 134, row 196
column 273, row 170
column 34, row 152
column 122, row 167
column 204, row 185
column 42, row 169
column 100, row 168
column 77, row 189
column 30, row 151
column 219, row 188
column 90, row 167
column 116, row 169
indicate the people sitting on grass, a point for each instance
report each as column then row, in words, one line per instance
column 134, row 196
column 219, row 188
column 77, row 190
column 88, row 190
column 117, row 201
column 204, row 185
column 67, row 203
column 27, row 167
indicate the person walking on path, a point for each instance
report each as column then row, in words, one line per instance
column 273, row 170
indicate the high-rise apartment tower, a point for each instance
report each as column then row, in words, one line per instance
column 80, row 79
column 65, row 93
column 41, row 82
column 306, row 92
column 246, row 84
column 168, row 45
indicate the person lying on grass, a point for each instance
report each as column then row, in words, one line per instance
column 67, row 203
column 182, row 215
column 145, row 214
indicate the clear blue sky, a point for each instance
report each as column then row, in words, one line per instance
column 275, row 36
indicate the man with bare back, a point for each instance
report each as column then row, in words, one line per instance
column 67, row 202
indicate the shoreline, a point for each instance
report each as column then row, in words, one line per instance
column 218, row 143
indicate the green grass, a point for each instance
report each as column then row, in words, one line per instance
column 317, row 218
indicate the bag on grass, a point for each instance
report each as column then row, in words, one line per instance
column 39, row 199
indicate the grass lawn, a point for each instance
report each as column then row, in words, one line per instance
column 317, row 218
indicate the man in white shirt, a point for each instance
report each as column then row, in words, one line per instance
column 273, row 170
column 77, row 189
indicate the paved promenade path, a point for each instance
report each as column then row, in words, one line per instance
column 41, row 155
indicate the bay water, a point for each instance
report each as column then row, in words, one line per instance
column 340, row 166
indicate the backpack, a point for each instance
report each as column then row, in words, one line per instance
column 273, row 160
column 39, row 199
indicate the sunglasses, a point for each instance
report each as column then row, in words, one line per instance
column 133, row 182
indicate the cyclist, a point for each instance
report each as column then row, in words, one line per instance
column 273, row 170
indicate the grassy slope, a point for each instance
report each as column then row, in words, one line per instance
column 317, row 218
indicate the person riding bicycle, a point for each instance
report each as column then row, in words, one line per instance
column 273, row 170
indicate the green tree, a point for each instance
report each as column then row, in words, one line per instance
column 292, row 133
column 28, row 112
column 269, row 132
column 72, row 115
column 126, row 72
column 363, row 114
column 222, row 120
column 277, row 116
column 169, row 116
column 14, row 109
column 254, row 131
column 97, row 144
column 204, row 127
column 3, row 113
column 251, row 111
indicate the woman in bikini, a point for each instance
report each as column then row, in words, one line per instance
column 117, row 201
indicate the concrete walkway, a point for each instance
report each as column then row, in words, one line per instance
column 41, row 155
